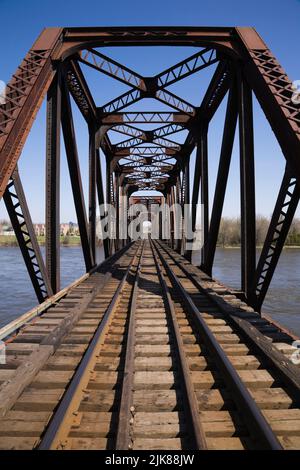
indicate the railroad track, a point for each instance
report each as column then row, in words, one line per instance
column 158, row 357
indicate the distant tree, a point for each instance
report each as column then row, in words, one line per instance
column 293, row 237
column 66, row 240
column 229, row 234
column 262, row 225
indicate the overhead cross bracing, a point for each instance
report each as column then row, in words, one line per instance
column 154, row 156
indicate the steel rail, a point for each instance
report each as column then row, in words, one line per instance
column 123, row 439
column 50, row 440
column 190, row 399
column 287, row 371
column 262, row 433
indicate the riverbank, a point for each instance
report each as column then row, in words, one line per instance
column 258, row 247
column 10, row 240
column 74, row 240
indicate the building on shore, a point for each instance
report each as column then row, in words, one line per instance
column 6, row 229
column 40, row 229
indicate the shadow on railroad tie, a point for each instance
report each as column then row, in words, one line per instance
column 115, row 407
column 186, row 440
column 148, row 285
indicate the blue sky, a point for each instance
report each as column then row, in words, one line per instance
column 277, row 21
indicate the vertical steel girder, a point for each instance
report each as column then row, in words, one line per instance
column 247, row 181
column 19, row 215
column 101, row 200
column 109, row 196
column 222, row 178
column 201, row 181
column 204, row 194
column 196, row 183
column 186, row 200
column 74, row 170
column 117, row 206
column 53, row 183
column 92, row 193
column 177, row 200
column 172, row 217
column 286, row 205
column 124, row 209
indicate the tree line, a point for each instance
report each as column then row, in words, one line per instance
column 229, row 234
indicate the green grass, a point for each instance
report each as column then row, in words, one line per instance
column 10, row 240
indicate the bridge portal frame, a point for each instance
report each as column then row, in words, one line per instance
column 52, row 68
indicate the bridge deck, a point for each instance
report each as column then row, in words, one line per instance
column 148, row 352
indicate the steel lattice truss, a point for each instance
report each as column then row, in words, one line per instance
column 134, row 168
column 149, row 152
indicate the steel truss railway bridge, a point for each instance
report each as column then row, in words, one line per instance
column 146, row 350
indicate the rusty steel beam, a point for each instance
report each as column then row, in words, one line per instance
column 74, row 170
column 112, row 68
column 144, row 134
column 126, row 130
column 222, row 178
column 24, row 96
column 144, row 117
column 80, row 92
column 18, row 211
column 175, row 102
column 151, row 86
column 185, row 199
column 146, row 35
column 53, row 183
column 101, row 199
column 92, row 192
column 204, row 194
column 122, row 101
column 186, row 67
column 247, row 184
column 216, row 91
column 284, row 211
column 274, row 92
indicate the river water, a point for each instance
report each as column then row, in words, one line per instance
column 282, row 301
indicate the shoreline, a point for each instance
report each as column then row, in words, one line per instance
column 8, row 241
column 11, row 241
column 258, row 247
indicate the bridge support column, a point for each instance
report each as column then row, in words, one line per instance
column 178, row 242
column 172, row 218
column 109, row 200
column 248, row 246
column 16, row 206
column 186, row 213
column 52, row 196
column 201, row 177
column 101, row 200
column 222, row 178
column 117, row 206
column 160, row 224
column 92, row 193
column 123, row 207
column 284, row 211
column 75, row 176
